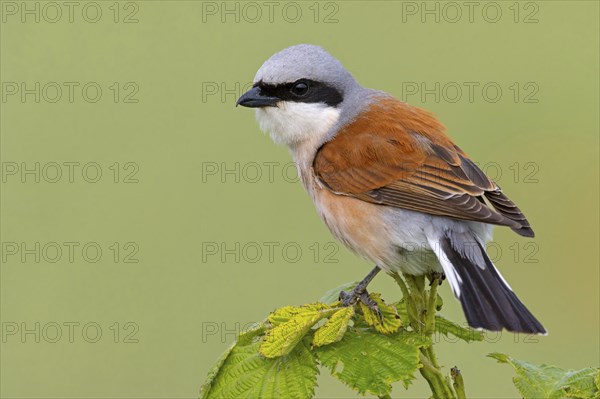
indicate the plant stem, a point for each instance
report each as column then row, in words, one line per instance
column 458, row 384
column 421, row 309
column 430, row 319
column 432, row 300
column 402, row 285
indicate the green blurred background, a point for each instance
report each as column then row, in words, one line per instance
column 194, row 196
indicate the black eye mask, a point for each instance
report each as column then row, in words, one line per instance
column 315, row 92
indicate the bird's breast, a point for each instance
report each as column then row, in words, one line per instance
column 361, row 226
column 380, row 234
column 392, row 238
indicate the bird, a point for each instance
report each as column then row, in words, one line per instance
column 389, row 183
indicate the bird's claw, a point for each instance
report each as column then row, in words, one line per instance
column 348, row 298
column 352, row 297
column 371, row 304
column 433, row 276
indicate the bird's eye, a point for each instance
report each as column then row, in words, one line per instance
column 299, row 89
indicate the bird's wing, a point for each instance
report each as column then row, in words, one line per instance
column 398, row 155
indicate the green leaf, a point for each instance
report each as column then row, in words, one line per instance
column 290, row 324
column 286, row 313
column 402, row 311
column 369, row 362
column 439, row 303
column 333, row 294
column 243, row 339
column 551, row 382
column 243, row 373
column 446, row 327
column 213, row 372
column 390, row 321
column 335, row 328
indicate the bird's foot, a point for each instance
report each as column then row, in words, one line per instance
column 351, row 297
column 360, row 294
column 436, row 276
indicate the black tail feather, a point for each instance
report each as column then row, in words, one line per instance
column 487, row 301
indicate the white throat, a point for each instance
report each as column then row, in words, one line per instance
column 292, row 123
column 303, row 127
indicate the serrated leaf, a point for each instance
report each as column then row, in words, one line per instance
column 402, row 311
column 333, row 295
column 551, row 382
column 335, row 328
column 467, row 334
column 390, row 321
column 291, row 323
column 244, row 338
column 286, row 313
column 243, row 373
column 370, row 362
column 213, row 372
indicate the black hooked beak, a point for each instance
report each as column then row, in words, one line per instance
column 253, row 99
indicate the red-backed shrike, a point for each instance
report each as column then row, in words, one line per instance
column 389, row 183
